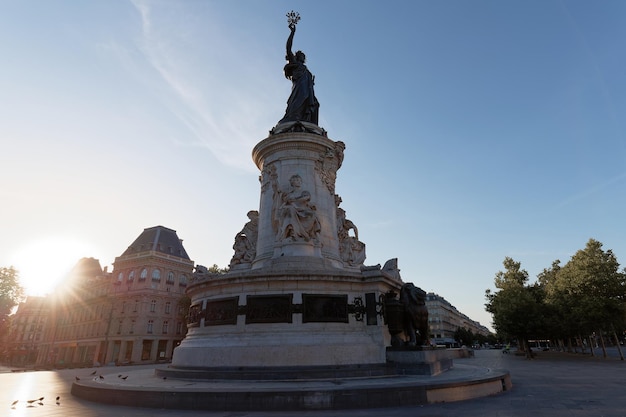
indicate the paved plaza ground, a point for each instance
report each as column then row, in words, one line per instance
column 553, row 385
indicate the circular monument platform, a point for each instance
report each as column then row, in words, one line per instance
column 147, row 388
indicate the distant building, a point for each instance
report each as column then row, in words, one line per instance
column 77, row 323
column 444, row 319
column 26, row 331
column 134, row 314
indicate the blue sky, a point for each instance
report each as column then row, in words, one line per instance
column 475, row 130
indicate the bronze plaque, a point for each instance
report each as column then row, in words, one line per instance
column 269, row 308
column 194, row 316
column 370, row 309
column 324, row 308
column 222, row 311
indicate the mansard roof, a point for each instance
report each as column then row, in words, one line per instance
column 158, row 239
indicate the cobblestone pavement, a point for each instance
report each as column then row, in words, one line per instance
column 554, row 384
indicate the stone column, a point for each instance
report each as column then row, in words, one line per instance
column 292, row 227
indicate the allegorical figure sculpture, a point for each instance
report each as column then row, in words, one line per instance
column 415, row 314
column 351, row 249
column 294, row 216
column 302, row 104
column 245, row 241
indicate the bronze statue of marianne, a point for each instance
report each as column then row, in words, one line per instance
column 302, row 105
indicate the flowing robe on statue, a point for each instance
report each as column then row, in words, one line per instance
column 302, row 104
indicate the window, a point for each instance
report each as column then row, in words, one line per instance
column 143, row 275
column 119, row 327
column 136, row 306
column 165, row 326
column 132, row 327
column 182, row 281
column 168, row 307
column 179, row 327
column 152, row 306
column 156, row 275
column 170, row 278
column 131, row 276
column 120, row 277
column 150, row 325
column 123, row 306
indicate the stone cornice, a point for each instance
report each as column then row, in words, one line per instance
column 291, row 141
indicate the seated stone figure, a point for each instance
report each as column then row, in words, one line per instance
column 294, row 214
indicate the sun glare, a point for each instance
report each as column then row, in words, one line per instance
column 43, row 263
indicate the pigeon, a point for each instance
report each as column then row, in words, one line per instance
column 101, row 377
column 77, row 378
column 41, row 398
column 124, row 377
column 119, row 376
column 14, row 402
column 31, row 401
column 58, row 398
column 93, row 373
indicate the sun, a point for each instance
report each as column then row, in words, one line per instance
column 44, row 263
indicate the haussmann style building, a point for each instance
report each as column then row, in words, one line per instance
column 133, row 314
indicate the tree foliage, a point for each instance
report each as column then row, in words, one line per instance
column 215, row 269
column 464, row 336
column 11, row 292
column 588, row 292
column 517, row 307
column 585, row 295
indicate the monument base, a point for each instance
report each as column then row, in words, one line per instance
column 149, row 389
column 284, row 316
column 420, row 361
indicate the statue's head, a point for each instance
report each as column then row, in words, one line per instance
column 300, row 57
column 295, row 180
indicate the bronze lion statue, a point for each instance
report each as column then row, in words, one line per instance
column 415, row 314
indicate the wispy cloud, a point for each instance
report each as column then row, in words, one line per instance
column 222, row 115
column 590, row 191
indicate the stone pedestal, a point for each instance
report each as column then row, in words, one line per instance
column 279, row 318
column 416, row 361
column 297, row 293
column 314, row 159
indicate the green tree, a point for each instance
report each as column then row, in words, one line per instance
column 464, row 336
column 589, row 291
column 215, row 269
column 557, row 320
column 11, row 293
column 517, row 308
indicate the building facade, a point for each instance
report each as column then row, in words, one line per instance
column 26, row 331
column 444, row 320
column 133, row 314
column 148, row 288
